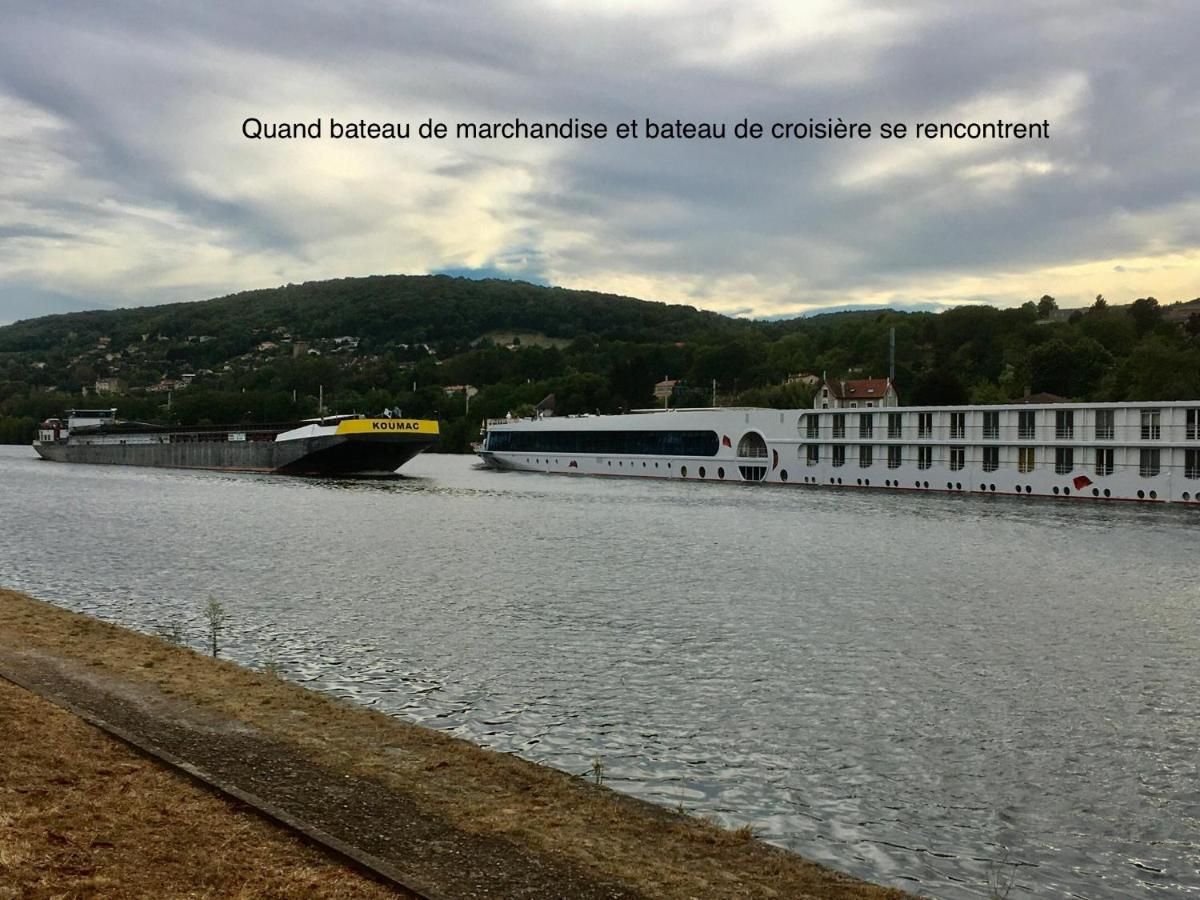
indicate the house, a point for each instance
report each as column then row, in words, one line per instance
column 805, row 379
column 109, row 386
column 834, row 393
column 1041, row 397
column 665, row 388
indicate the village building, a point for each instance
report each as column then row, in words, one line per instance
column 864, row 393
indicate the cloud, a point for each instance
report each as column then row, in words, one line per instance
column 127, row 179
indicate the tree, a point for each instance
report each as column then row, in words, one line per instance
column 1101, row 305
column 939, row 388
column 1046, row 306
column 1146, row 313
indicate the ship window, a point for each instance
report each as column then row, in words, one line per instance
column 814, row 454
column 812, row 424
column 958, row 425
column 866, row 425
column 1064, row 424
column 1149, row 463
column 893, row 421
column 1104, row 461
column 894, row 457
column 1026, row 423
column 1104, row 424
column 1151, row 424
column 683, row 471
column 1193, row 424
column 1191, row 464
column 924, row 457
column 752, row 445
column 642, row 443
column 702, row 471
column 924, row 424
column 1025, row 459
column 991, row 459
column 839, row 425
column 839, row 455
column 865, row 456
column 1064, row 460
column 991, row 425
column 958, row 458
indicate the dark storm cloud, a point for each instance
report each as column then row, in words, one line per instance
column 138, row 107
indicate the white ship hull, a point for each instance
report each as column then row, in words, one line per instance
column 1147, row 452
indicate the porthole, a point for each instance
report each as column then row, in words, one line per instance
column 1028, row 489
column 656, row 465
column 867, row 482
column 1141, row 495
column 859, row 482
column 927, row 484
column 839, row 481
column 958, row 485
column 619, row 463
column 1095, row 492
column 831, row 481
column 702, row 471
column 1066, row 492
column 1055, row 489
column 783, row 474
column 721, row 472
column 918, row 484
column 1186, row 496
column 949, row 486
column 610, row 463
column 1154, row 495
column 683, row 471
column 643, row 464
column 983, row 487
column 1107, row 492
column 992, row 488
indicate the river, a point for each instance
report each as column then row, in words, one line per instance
column 928, row 691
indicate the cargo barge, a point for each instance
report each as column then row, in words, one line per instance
column 331, row 445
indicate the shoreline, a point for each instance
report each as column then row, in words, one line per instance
column 459, row 818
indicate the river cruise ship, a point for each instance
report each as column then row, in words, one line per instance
column 1148, row 452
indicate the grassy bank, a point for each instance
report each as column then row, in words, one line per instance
column 491, row 799
column 82, row 814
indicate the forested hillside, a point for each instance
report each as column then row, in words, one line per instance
column 417, row 342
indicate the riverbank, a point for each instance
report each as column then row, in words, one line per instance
column 464, row 820
column 83, row 814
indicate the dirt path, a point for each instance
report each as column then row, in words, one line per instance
column 82, row 814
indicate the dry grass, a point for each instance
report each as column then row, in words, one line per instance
column 81, row 814
column 548, row 812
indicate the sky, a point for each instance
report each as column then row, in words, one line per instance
column 125, row 178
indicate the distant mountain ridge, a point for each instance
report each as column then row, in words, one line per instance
column 385, row 308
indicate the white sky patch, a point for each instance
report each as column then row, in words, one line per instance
column 125, row 175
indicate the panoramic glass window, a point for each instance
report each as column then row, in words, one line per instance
column 752, row 445
column 646, row 443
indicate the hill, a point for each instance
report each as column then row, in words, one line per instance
column 416, row 341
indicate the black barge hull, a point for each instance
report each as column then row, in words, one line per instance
column 355, row 454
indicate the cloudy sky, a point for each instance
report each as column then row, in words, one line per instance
column 125, row 178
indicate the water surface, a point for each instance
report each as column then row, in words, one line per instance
column 928, row 691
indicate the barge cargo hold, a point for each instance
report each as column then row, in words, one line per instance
column 333, row 445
